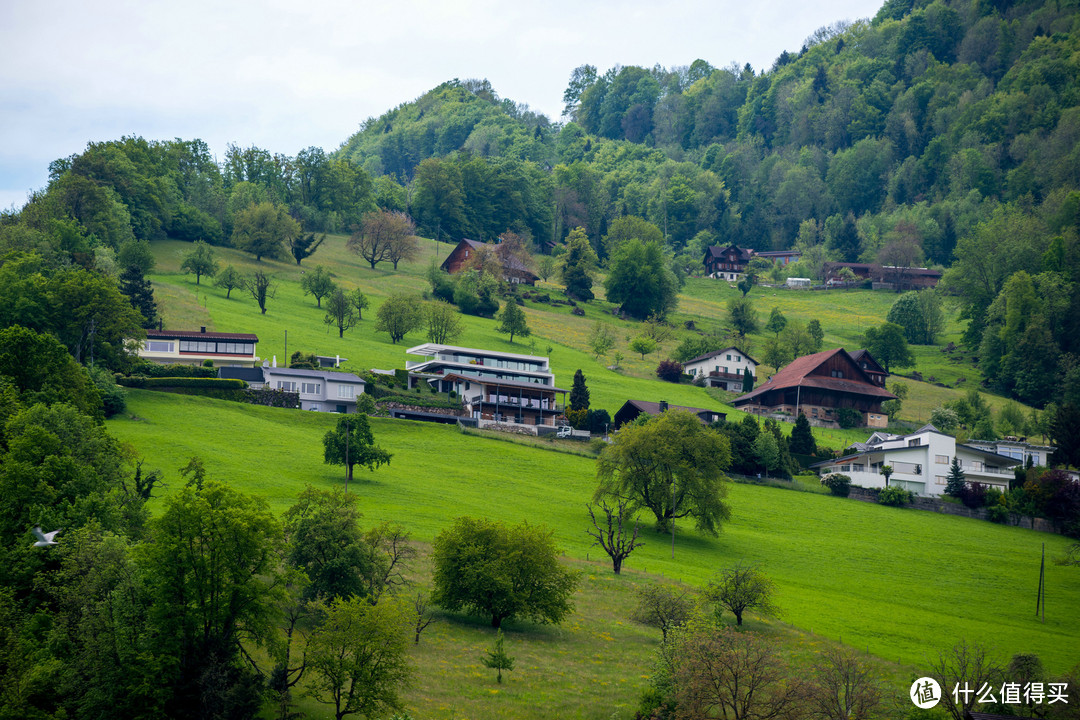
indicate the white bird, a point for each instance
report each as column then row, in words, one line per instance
column 45, row 539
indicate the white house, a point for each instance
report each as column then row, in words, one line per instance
column 1016, row 449
column 920, row 462
column 193, row 347
column 722, row 368
column 320, row 390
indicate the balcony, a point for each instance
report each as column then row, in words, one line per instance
column 523, row 403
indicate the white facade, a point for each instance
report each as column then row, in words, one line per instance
column 920, row 462
column 194, row 348
column 474, row 362
column 1016, row 449
column 320, row 390
column 731, row 361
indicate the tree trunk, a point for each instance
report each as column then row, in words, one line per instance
column 496, row 621
column 616, row 564
column 340, row 331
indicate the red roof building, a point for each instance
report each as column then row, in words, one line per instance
column 818, row 386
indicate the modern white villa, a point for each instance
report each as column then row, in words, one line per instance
column 496, row 387
column 920, row 462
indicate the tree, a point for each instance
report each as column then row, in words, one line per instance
column 512, row 321
column 262, row 230
column 802, row 438
column 359, row 657
column 965, row 665
column 213, row 582
column 38, row 369
column 360, row 302
column 1065, row 433
column 662, row 607
column 140, row 293
column 261, row 286
column 397, row 316
column 601, row 339
column 497, row 659
column 844, row 686
column 797, row 340
column 304, row 246
column 404, row 246
column 352, row 443
column 919, row 313
column 340, row 312
column 324, row 541
column 814, row 328
column 640, row 281
column 644, row 345
column 229, row 278
column 378, row 233
column 735, row 675
column 200, row 261
column 579, row 392
column 485, row 567
column 578, row 264
column 747, row 380
column 546, row 267
column 887, row 471
column 767, row 452
column 611, row 534
column 955, row 482
column 742, row 316
column 443, row 322
column 888, row 345
column 319, row 283
column 669, row 371
column 740, row 588
column 776, row 353
column 671, row 465
column 777, row 322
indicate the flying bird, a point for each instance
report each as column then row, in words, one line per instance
column 45, row 539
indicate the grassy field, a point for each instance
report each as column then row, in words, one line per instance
column 899, row 583
column 293, row 322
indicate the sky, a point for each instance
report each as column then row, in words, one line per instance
column 289, row 75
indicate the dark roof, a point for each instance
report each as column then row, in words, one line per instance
column 504, row 383
column 777, row 253
column 188, row 334
column 718, row 250
column 862, row 354
column 246, row 374
column 654, row 408
column 797, row 374
column 323, row 374
column 714, row 353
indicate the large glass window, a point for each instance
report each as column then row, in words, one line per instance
column 286, row 385
column 159, row 346
column 345, row 391
column 310, row 388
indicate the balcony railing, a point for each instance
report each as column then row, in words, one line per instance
column 524, row 403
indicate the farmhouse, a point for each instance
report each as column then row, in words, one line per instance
column 724, row 369
column 870, row 366
column 496, row 387
column 884, row 276
column 726, row 263
column 193, row 347
column 920, row 462
column 820, row 386
column 514, row 272
column 632, row 408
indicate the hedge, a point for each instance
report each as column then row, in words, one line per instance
column 174, row 370
column 209, row 383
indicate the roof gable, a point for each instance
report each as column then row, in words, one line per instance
column 802, row 372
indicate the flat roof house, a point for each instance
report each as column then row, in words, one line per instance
column 920, row 462
column 193, row 347
column 320, row 390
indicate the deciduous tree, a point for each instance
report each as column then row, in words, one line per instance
column 340, row 312
column 352, row 443
column 229, row 278
column 888, row 346
column 397, row 316
column 379, row 232
column 512, row 321
column 742, row 316
column 319, row 283
column 611, row 533
column 662, row 607
column 261, row 286
column 578, row 264
column 304, row 246
column 443, row 322
column 740, row 588
column 640, row 281
column 200, row 261
column 263, row 229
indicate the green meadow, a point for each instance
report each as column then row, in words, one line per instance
column 293, row 322
column 898, row 583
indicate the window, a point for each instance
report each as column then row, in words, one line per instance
column 286, row 385
column 345, row 391
column 314, row 407
column 837, row 373
column 940, row 480
column 913, row 443
column 310, row 388
column 857, row 467
column 941, row 459
column 977, row 465
column 845, row 468
column 728, row 357
column 159, row 346
column 1033, row 456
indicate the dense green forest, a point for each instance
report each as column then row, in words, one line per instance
column 942, row 133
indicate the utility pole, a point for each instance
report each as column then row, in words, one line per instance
column 347, row 428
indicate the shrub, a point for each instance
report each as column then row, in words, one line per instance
column 183, row 382
column 997, row 514
column 173, row 370
column 895, row 496
column 974, row 495
column 848, row 417
column 669, row 370
column 838, row 484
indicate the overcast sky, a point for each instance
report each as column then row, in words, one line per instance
column 288, row 75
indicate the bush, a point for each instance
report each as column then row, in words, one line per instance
column 838, row 484
column 848, row 418
column 895, row 496
column 173, row 370
column 974, row 495
column 182, row 382
column 997, row 514
column 597, row 421
column 669, row 370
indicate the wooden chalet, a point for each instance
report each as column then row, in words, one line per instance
column 871, row 366
column 818, row 386
column 515, row 272
column 726, row 263
column 632, row 408
column 907, row 278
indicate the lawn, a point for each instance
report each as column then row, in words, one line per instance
column 900, row 583
column 293, row 322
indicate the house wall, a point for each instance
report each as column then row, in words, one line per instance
column 731, row 361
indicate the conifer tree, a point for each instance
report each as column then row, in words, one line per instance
column 955, row 481
column 497, row 659
column 579, row 392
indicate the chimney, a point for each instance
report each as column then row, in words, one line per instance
column 274, row 363
column 663, row 406
column 202, row 329
column 337, row 361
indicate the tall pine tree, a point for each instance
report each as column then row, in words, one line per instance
column 579, row 392
column 140, row 293
column 955, row 482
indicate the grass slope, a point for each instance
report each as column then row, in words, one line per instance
column 293, row 322
column 899, row 582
